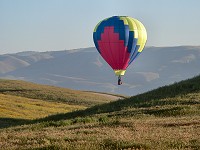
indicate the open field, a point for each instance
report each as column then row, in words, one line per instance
column 20, row 100
column 168, row 126
column 165, row 118
column 26, row 108
column 51, row 93
column 147, row 132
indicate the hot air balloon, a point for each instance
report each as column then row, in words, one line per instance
column 119, row 40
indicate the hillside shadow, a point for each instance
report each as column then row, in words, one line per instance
column 157, row 97
column 15, row 90
column 11, row 122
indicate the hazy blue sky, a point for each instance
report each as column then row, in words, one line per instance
column 46, row 25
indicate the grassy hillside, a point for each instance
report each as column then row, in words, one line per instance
column 20, row 100
column 26, row 108
column 165, row 118
column 16, row 110
column 183, row 93
column 51, row 93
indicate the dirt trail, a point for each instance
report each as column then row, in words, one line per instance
column 110, row 96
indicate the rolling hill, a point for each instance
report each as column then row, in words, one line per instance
column 164, row 118
column 20, row 100
column 53, row 94
column 84, row 69
column 27, row 108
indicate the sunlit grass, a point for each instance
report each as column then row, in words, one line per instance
column 161, row 126
column 26, row 108
column 113, row 133
column 51, row 93
column 162, row 119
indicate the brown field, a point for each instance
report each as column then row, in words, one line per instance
column 51, row 93
column 26, row 108
column 164, row 119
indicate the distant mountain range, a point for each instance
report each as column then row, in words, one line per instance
column 84, row 69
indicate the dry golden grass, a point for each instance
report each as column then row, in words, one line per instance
column 162, row 119
column 129, row 128
column 133, row 133
column 52, row 93
column 26, row 108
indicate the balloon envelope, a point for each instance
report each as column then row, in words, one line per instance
column 119, row 40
